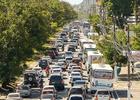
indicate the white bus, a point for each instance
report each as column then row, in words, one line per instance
column 101, row 76
column 93, row 57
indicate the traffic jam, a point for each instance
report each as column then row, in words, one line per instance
column 73, row 69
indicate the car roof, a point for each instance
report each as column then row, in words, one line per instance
column 76, row 95
column 47, row 86
column 57, row 69
column 75, row 72
column 102, row 66
column 76, row 77
column 46, row 90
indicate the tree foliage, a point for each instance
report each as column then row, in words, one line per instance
column 106, row 45
column 135, row 39
column 121, row 9
column 24, row 25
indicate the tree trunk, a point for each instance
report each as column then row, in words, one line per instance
column 136, row 11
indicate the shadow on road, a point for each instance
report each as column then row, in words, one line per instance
column 123, row 77
column 134, row 77
column 122, row 93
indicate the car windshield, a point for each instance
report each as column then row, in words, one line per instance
column 103, row 93
column 76, row 98
column 47, row 96
column 75, row 74
column 68, row 58
column 48, row 92
column 56, row 71
column 76, row 68
column 76, row 91
column 71, row 49
column 48, row 88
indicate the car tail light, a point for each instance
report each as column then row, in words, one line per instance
column 96, row 98
column 109, row 98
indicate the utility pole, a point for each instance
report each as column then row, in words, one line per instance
column 128, row 56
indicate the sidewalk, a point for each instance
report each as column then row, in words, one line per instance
column 122, row 84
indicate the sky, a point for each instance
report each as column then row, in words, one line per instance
column 73, row 2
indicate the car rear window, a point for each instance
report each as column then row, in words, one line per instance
column 76, row 98
column 76, row 91
column 103, row 92
column 13, row 95
column 55, row 78
column 80, row 82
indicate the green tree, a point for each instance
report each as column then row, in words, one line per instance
column 135, row 39
column 25, row 25
column 121, row 9
column 106, row 45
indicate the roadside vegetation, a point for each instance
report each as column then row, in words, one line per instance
column 24, row 27
column 117, row 13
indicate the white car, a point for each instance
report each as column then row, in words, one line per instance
column 68, row 54
column 62, row 64
column 68, row 60
column 75, row 78
column 76, row 97
column 74, row 43
column 81, row 83
column 48, row 58
column 49, row 87
column 14, row 96
column 47, row 97
column 55, row 66
column 48, row 92
column 75, row 67
column 74, row 74
column 57, row 70
column 77, row 70
column 70, row 66
column 102, row 95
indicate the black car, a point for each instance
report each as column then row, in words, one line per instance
column 57, row 81
column 31, row 78
column 43, row 63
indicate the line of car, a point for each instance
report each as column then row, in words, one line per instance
column 65, row 57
